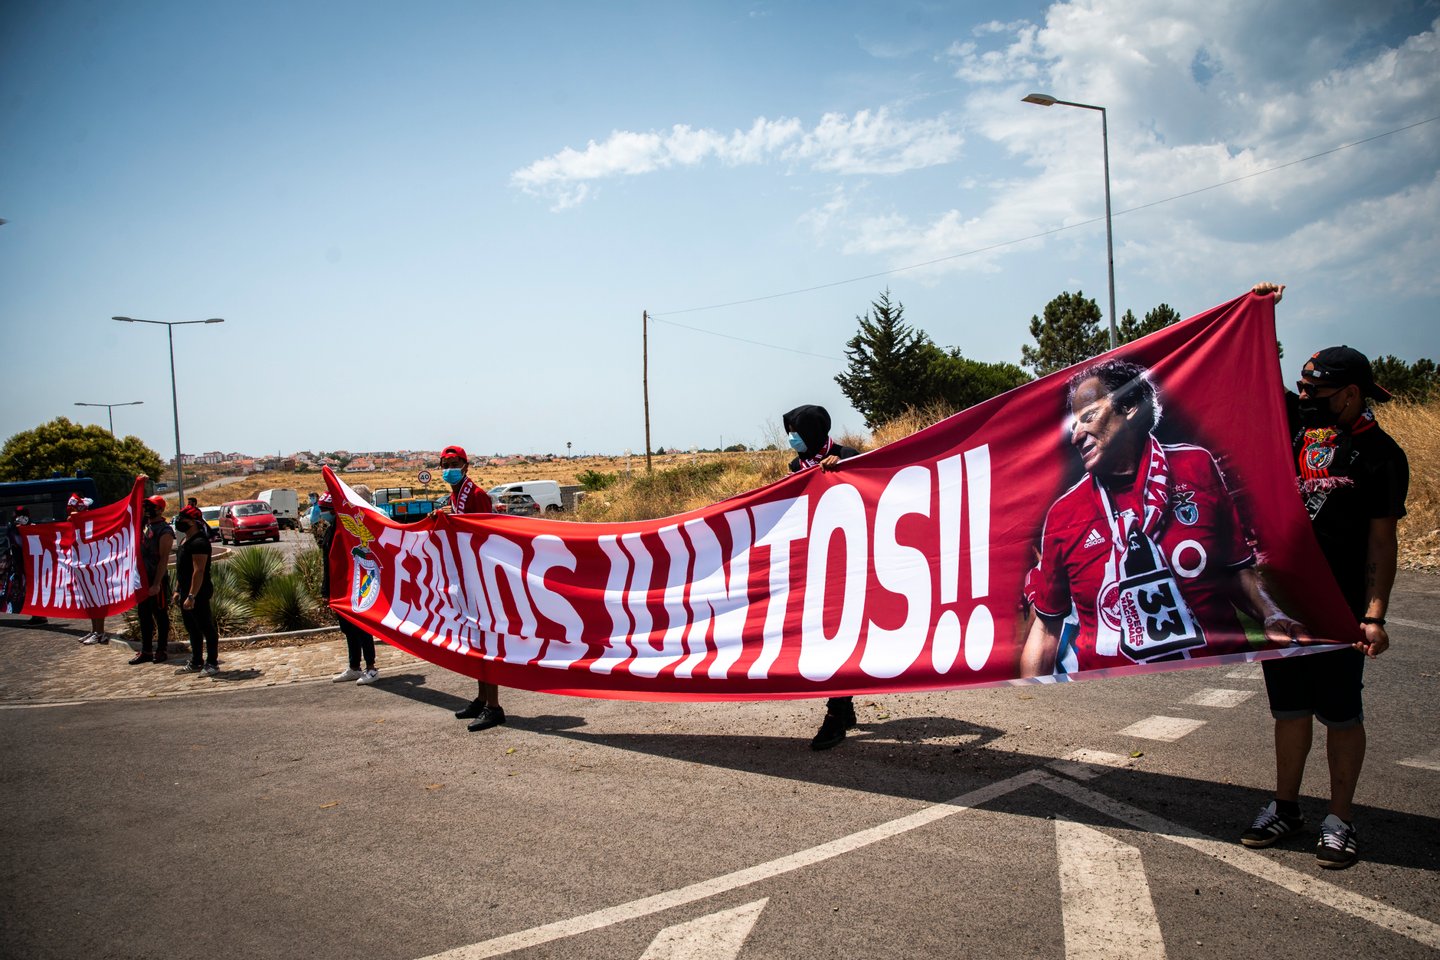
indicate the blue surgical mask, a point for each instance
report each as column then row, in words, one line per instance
column 452, row 475
column 796, row 443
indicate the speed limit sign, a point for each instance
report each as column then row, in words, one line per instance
column 424, row 476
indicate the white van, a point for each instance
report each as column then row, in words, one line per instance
column 545, row 492
column 284, row 504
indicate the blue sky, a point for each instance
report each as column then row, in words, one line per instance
column 440, row 222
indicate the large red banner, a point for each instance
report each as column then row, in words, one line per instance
column 88, row 565
column 1137, row 513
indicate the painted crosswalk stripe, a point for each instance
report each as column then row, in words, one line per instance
column 1104, row 898
column 1256, row 864
column 1251, row 671
column 717, row 936
column 1428, row 761
column 1218, row 697
column 1088, row 764
column 1414, row 624
column 1162, row 728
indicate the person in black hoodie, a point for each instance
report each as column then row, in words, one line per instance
column 808, row 430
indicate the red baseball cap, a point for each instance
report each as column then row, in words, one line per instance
column 454, row 451
column 325, row 500
column 192, row 513
column 157, row 501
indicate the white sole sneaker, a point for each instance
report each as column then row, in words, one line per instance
column 368, row 677
column 345, row 676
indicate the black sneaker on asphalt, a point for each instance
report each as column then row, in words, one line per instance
column 1270, row 827
column 210, row 670
column 489, row 717
column 189, row 668
column 832, row 732
column 472, row 711
column 1336, row 848
column 140, row 658
column 847, row 714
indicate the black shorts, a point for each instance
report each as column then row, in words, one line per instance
column 1324, row 685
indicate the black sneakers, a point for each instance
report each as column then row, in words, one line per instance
column 832, row 730
column 141, row 658
column 487, row 718
column 1336, row 849
column 470, row 712
column 1270, row 827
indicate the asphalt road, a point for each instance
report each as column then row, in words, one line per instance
column 318, row 821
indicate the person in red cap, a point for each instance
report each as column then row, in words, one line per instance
column 76, row 505
column 193, row 590
column 466, row 496
column 157, row 540
column 1353, row 480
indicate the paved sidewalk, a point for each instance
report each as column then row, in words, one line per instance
column 46, row 664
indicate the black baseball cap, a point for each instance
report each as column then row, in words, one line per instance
column 1343, row 366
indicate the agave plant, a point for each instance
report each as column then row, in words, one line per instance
column 287, row 604
column 309, row 567
column 252, row 569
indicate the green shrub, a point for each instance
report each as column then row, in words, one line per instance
column 287, row 604
column 251, row 570
column 593, row 480
column 310, row 567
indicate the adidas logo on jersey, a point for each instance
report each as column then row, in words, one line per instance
column 1094, row 540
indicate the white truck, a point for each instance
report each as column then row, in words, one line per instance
column 285, row 505
column 545, row 492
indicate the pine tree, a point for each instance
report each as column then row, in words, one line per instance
column 888, row 360
column 1069, row 334
column 1157, row 319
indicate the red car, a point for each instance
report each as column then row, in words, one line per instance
column 247, row 520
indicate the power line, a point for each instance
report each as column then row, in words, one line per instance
column 1000, row 244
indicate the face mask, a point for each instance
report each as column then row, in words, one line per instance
column 796, row 443
column 452, row 476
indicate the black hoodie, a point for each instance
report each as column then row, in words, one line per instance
column 813, row 425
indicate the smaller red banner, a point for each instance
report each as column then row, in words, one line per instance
column 88, row 565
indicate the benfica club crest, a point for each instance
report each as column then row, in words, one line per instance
column 1183, row 504
column 365, row 581
column 1320, row 448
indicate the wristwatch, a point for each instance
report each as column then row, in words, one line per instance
column 1378, row 621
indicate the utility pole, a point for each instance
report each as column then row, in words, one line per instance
column 645, row 378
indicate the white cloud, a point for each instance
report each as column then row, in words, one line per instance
column 870, row 142
column 1195, row 96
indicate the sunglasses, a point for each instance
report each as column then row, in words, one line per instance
column 1312, row 388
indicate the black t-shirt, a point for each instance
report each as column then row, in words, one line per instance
column 191, row 548
column 150, row 539
column 1365, row 477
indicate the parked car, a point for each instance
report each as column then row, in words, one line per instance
column 517, row 505
column 545, row 492
column 212, row 520
column 247, row 520
column 285, row 505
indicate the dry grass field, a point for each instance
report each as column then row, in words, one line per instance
column 686, row 481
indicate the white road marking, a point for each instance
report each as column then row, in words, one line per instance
column 1218, row 697
column 718, row 936
column 1415, row 624
column 1429, row 761
column 1104, row 898
column 1162, row 728
column 1088, row 764
column 1251, row 671
column 608, row 916
column 1257, row 865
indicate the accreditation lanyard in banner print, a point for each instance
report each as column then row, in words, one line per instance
column 1155, row 620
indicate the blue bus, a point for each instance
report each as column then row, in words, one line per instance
column 44, row 499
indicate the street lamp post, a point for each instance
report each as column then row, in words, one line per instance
column 1045, row 100
column 110, row 409
column 170, row 326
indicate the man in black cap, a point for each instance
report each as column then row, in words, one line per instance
column 1353, row 478
column 808, row 430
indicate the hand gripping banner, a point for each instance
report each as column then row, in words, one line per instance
column 1142, row 517
column 88, row 565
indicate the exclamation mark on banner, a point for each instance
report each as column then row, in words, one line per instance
column 945, row 643
column 980, row 630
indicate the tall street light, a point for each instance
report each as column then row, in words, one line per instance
column 1045, row 100
column 110, row 409
column 170, row 326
